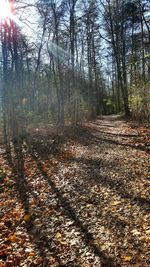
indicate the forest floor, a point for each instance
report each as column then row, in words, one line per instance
column 82, row 198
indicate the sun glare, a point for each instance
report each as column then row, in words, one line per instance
column 5, row 10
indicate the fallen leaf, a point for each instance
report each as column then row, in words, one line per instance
column 114, row 203
column 27, row 217
column 28, row 250
column 89, row 205
column 105, row 247
column 13, row 238
column 148, row 232
column 135, row 232
column 62, row 242
column 127, row 258
column 58, row 235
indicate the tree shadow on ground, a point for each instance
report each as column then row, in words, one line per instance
column 92, row 168
column 16, row 162
column 71, row 214
column 104, row 125
column 117, row 135
column 115, row 142
column 117, row 186
column 113, row 221
column 39, row 239
column 87, row 137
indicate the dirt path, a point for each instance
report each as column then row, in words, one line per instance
column 89, row 203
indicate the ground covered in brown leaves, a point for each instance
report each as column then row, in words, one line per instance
column 81, row 200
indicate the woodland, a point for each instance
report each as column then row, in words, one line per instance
column 75, row 133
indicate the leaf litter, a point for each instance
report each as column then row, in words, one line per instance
column 85, row 203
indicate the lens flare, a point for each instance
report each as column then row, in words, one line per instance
column 5, row 9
